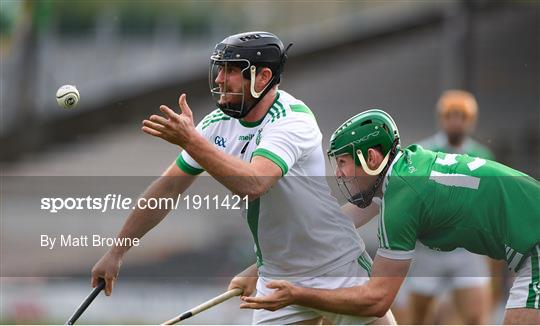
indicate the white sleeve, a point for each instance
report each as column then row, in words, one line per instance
column 287, row 140
column 395, row 254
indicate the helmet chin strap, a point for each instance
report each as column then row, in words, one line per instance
column 363, row 198
column 365, row 166
column 253, row 73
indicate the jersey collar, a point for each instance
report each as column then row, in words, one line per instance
column 385, row 181
column 256, row 123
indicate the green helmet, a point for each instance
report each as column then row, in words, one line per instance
column 363, row 131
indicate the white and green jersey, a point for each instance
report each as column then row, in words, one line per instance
column 448, row 201
column 297, row 226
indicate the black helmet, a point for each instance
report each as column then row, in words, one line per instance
column 250, row 51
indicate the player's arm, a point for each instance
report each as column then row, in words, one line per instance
column 252, row 179
column 242, row 178
column 371, row 299
column 172, row 182
column 360, row 216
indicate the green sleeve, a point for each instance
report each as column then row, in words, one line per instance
column 399, row 220
column 272, row 157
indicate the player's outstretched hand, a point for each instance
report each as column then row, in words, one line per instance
column 280, row 298
column 174, row 128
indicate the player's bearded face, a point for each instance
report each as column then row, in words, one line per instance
column 232, row 85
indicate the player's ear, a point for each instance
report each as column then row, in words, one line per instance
column 374, row 158
column 263, row 77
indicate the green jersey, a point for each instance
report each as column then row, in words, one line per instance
column 448, row 201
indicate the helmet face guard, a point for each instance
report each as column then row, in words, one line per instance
column 231, row 101
column 348, row 185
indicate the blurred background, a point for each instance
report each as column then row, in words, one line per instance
column 127, row 58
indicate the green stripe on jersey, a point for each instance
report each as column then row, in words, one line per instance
column 253, row 222
column 272, row 114
column 212, row 115
column 280, row 106
column 534, row 286
column 275, row 108
column 184, row 166
column 382, row 228
column 275, row 113
column 365, row 264
column 272, row 157
column 301, row 108
column 209, row 122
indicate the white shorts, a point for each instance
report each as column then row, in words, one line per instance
column 525, row 291
column 434, row 272
column 348, row 275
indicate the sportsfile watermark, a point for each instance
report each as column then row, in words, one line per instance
column 120, row 202
column 60, row 226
